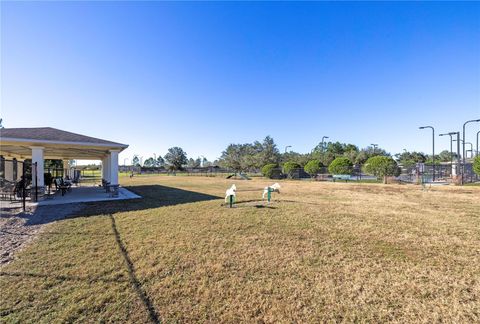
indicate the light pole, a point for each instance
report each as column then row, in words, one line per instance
column 464, row 124
column 477, row 143
column 374, row 148
column 471, row 148
column 433, row 148
column 323, row 139
column 286, row 147
column 451, row 149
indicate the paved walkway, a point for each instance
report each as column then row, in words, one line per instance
column 87, row 194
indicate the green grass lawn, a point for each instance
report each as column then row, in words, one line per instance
column 319, row 252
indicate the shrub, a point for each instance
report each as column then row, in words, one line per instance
column 269, row 169
column 381, row 166
column 312, row 167
column 341, row 165
column 289, row 167
column 476, row 165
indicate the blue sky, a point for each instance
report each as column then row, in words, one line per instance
column 203, row 75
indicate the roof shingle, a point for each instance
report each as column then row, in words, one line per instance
column 52, row 134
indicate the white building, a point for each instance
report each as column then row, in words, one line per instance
column 38, row 144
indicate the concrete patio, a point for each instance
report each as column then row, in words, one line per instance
column 75, row 195
column 85, row 194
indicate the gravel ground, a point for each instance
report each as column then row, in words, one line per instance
column 18, row 228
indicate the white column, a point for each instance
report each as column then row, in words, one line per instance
column 37, row 156
column 103, row 168
column 19, row 169
column 66, row 168
column 108, row 168
column 9, row 170
column 113, row 169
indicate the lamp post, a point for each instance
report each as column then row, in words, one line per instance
column 433, row 147
column 374, row 148
column 286, row 147
column 464, row 124
column 451, row 149
column 471, row 148
column 323, row 139
column 477, row 143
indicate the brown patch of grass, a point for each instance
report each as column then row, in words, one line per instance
column 321, row 252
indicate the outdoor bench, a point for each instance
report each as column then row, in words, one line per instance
column 345, row 177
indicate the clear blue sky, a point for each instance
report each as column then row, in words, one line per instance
column 203, row 75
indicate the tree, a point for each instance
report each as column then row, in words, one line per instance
column 446, row 156
column 301, row 159
column 341, row 165
column 364, row 154
column 232, row 157
column 176, row 158
column 269, row 169
column 410, row 159
column 289, row 167
column 193, row 163
column 150, row 162
column 135, row 161
column 381, row 166
column 160, row 162
column 313, row 167
column 268, row 152
column 476, row 165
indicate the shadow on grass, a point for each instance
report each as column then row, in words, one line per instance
column 153, row 196
column 152, row 314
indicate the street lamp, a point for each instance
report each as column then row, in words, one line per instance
column 471, row 148
column 286, row 147
column 464, row 124
column 477, row 143
column 433, row 147
column 451, row 145
column 323, row 139
column 374, row 148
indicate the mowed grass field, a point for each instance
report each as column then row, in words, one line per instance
column 320, row 252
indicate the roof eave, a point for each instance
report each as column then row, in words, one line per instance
column 119, row 146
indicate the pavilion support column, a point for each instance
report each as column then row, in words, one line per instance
column 9, row 165
column 37, row 174
column 103, row 168
column 66, row 168
column 20, row 169
column 107, row 168
column 113, row 169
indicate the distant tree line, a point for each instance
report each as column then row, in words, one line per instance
column 336, row 157
column 175, row 159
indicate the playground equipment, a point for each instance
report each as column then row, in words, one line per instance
column 230, row 195
column 268, row 191
column 242, row 176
